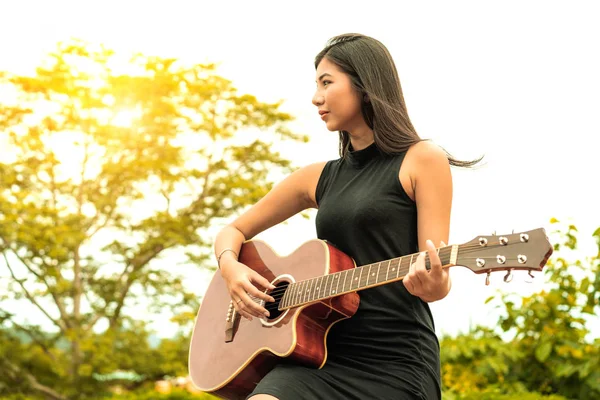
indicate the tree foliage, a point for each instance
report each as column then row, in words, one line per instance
column 552, row 352
column 114, row 173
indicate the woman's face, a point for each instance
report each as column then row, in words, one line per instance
column 338, row 103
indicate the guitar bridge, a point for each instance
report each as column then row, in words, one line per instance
column 230, row 322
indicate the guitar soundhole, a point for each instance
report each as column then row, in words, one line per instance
column 277, row 294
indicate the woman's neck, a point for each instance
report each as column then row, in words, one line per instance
column 361, row 140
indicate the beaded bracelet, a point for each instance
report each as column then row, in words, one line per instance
column 221, row 254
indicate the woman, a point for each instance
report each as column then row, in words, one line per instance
column 389, row 194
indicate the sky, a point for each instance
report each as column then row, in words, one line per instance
column 514, row 81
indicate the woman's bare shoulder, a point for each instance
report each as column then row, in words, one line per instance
column 426, row 151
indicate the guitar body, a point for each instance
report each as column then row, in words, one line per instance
column 231, row 369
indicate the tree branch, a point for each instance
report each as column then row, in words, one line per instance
column 59, row 305
column 30, row 297
column 99, row 315
column 95, row 321
column 31, row 380
column 35, row 338
column 137, row 264
column 109, row 217
column 202, row 195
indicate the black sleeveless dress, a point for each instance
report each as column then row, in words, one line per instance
column 388, row 349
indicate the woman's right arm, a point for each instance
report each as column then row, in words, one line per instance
column 294, row 194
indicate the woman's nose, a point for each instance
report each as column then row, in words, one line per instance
column 317, row 100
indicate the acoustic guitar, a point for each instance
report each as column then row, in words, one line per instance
column 316, row 286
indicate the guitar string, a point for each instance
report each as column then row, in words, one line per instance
column 278, row 293
column 275, row 305
column 465, row 250
column 283, row 289
column 271, row 306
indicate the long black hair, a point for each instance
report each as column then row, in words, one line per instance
column 374, row 77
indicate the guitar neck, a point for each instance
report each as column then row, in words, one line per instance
column 363, row 277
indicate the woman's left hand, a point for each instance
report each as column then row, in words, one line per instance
column 429, row 285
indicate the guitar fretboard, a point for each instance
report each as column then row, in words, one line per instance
column 351, row 280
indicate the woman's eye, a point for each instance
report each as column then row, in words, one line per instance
column 325, row 83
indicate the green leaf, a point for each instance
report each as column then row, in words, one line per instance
column 542, row 352
column 565, row 370
column 585, row 284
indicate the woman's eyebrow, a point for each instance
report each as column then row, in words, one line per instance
column 323, row 75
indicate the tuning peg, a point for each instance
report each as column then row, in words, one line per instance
column 508, row 277
column 487, row 278
column 531, row 276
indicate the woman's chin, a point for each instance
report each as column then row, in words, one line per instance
column 331, row 127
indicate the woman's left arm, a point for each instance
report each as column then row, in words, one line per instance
column 432, row 184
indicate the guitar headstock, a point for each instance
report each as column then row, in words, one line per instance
column 528, row 250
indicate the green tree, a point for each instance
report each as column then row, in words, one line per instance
column 550, row 327
column 551, row 352
column 113, row 175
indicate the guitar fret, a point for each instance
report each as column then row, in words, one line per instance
column 349, row 276
column 371, row 276
column 387, row 270
column 297, row 298
column 306, row 291
column 300, row 291
column 295, row 292
column 399, row 271
column 310, row 289
column 330, row 291
column 366, row 277
column 337, row 282
column 446, row 257
column 328, row 285
column 313, row 286
column 323, row 285
column 353, row 279
column 345, row 279
column 292, row 290
column 324, row 288
column 409, row 264
column 319, row 285
column 377, row 276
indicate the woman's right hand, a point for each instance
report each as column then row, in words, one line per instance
column 242, row 284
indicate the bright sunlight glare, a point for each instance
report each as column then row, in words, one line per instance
column 126, row 118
